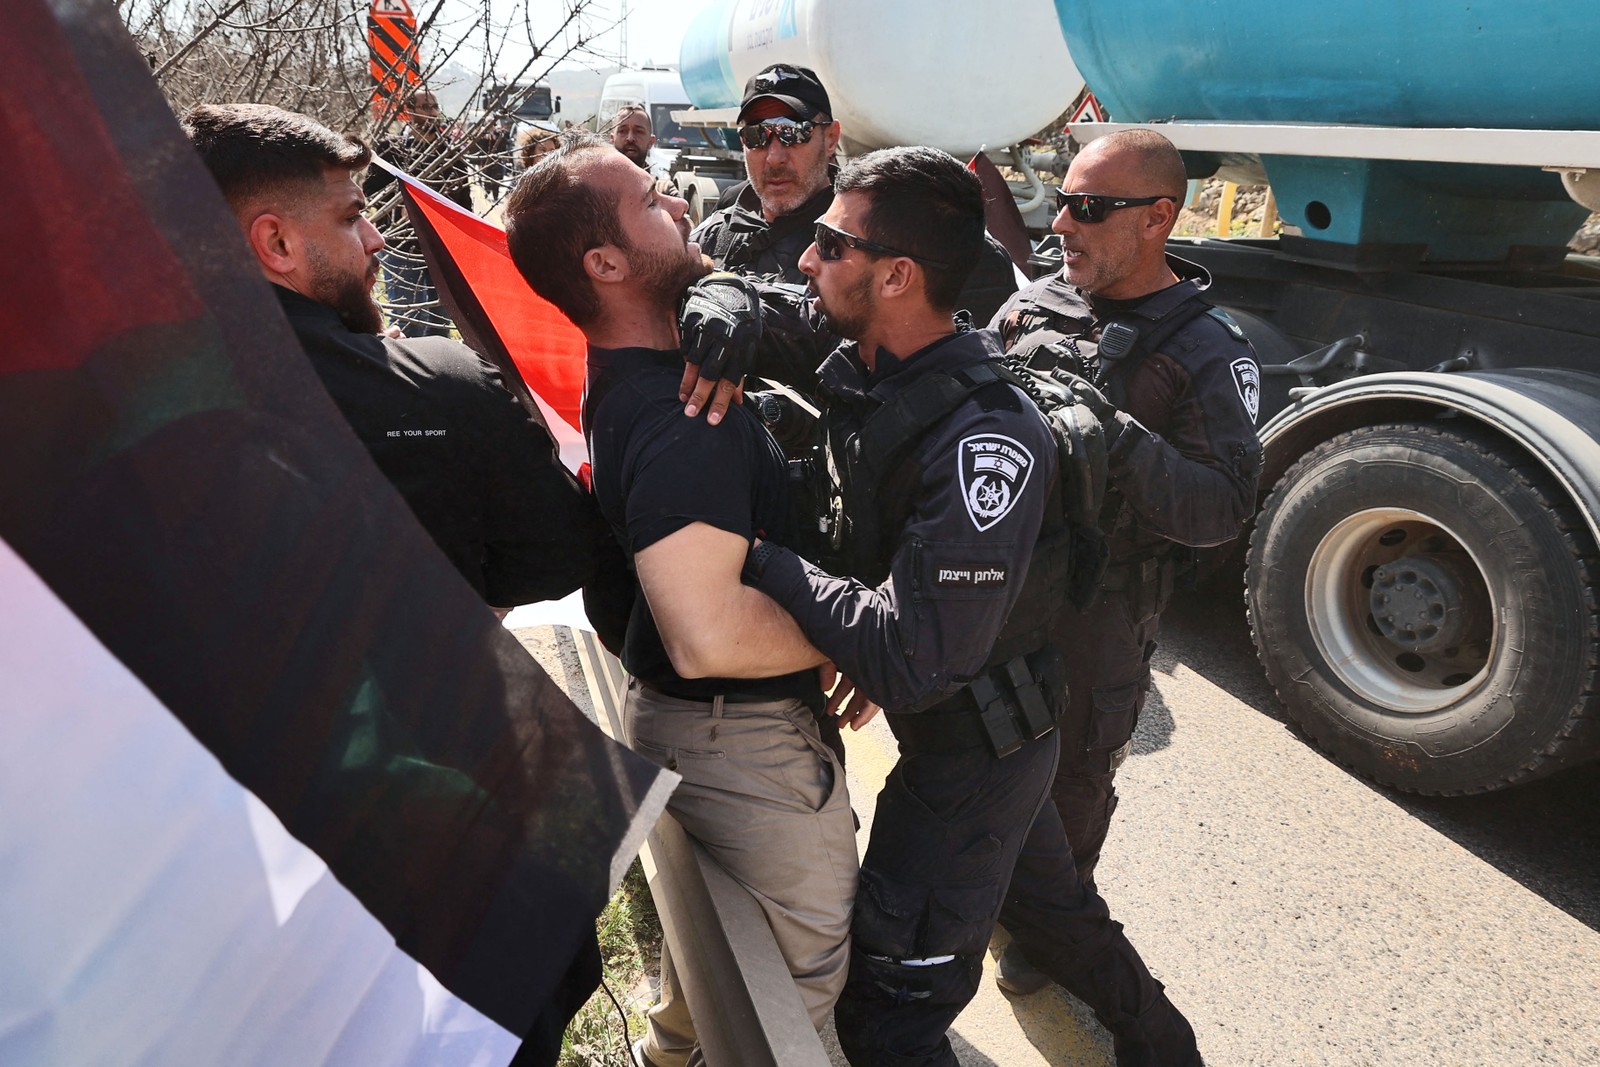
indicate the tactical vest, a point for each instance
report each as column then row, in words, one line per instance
column 872, row 480
column 1046, row 330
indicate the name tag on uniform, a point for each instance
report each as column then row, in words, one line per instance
column 957, row 576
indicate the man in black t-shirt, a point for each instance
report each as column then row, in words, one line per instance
column 724, row 683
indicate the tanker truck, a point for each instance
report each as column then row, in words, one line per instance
column 1421, row 577
column 898, row 72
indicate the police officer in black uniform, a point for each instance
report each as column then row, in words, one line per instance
column 1178, row 398
column 940, row 471
column 789, row 139
column 480, row 472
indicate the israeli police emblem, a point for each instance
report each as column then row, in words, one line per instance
column 1247, row 379
column 994, row 472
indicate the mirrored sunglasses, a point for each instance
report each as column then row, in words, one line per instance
column 790, row 132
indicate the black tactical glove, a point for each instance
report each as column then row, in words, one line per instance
column 1112, row 420
column 721, row 321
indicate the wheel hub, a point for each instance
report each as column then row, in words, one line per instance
column 1400, row 610
column 1423, row 603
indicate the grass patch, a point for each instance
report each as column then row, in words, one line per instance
column 630, row 942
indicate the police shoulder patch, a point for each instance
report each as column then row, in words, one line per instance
column 994, row 471
column 1247, row 379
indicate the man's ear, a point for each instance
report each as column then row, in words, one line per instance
column 606, row 263
column 830, row 137
column 1162, row 218
column 273, row 241
column 903, row 278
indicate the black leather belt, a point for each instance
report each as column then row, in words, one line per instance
column 729, row 696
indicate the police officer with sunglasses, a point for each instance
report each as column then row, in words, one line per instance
column 1175, row 384
column 929, row 592
column 790, row 140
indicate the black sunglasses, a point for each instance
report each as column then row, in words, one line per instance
column 790, row 132
column 831, row 243
column 1094, row 207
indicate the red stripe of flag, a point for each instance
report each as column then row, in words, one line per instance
column 494, row 308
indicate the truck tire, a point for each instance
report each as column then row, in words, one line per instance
column 1423, row 601
column 693, row 212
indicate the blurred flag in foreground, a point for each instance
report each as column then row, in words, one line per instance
column 274, row 785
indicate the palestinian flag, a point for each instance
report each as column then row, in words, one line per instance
column 536, row 348
column 275, row 788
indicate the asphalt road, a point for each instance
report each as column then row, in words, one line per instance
column 1300, row 916
column 1297, row 915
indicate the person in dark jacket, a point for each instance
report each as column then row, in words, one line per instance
column 479, row 471
column 789, row 139
column 1179, row 411
column 942, row 509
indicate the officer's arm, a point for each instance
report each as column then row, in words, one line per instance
column 1196, row 483
column 780, row 337
column 713, row 626
column 930, row 626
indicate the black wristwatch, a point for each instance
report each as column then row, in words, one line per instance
column 756, row 560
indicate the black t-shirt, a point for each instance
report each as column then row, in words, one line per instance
column 481, row 475
column 656, row 471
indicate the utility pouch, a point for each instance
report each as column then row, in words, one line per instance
column 1020, row 700
column 999, row 725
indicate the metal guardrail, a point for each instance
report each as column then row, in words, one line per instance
column 746, row 1009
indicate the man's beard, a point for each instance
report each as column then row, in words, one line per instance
column 636, row 152
column 349, row 295
column 798, row 192
column 851, row 313
column 664, row 276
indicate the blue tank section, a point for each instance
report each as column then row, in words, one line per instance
column 1424, row 63
column 703, row 58
column 1524, row 65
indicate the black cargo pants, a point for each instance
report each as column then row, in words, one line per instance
column 1108, row 676
column 949, row 829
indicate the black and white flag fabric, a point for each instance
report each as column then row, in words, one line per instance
column 275, row 787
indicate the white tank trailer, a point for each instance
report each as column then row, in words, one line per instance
column 960, row 76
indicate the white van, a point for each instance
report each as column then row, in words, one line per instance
column 660, row 93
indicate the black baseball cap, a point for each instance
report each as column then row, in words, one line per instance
column 797, row 88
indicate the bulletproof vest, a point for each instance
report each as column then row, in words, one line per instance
column 1053, row 328
column 873, row 479
column 748, row 245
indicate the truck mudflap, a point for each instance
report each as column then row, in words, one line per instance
column 1421, row 581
